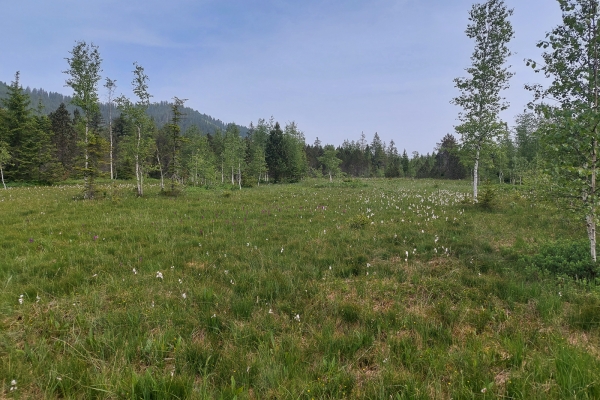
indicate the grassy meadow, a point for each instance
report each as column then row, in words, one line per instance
column 376, row 289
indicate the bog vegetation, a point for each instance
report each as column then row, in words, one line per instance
column 356, row 289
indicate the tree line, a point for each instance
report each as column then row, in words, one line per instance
column 47, row 148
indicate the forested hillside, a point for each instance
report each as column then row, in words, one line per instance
column 159, row 112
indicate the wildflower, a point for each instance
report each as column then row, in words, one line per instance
column 483, row 390
column 172, row 267
column 184, row 296
column 134, row 271
column 95, row 237
column 297, row 317
column 13, row 385
column 180, row 281
column 30, row 240
column 270, row 311
column 368, row 265
column 159, row 275
column 37, row 298
column 282, row 249
column 21, row 299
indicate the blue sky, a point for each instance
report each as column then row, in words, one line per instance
column 335, row 67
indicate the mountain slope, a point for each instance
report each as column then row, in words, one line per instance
column 160, row 112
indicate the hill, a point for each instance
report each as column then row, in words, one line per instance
column 160, row 111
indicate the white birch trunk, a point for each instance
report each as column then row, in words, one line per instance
column 2, row 174
column 591, row 229
column 240, row 175
column 138, row 168
column 476, row 175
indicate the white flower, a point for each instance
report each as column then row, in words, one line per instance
column 184, row 296
column 172, row 267
column 134, row 271
column 13, row 383
column 180, row 281
column 38, row 298
column 282, row 249
column 270, row 311
column 368, row 265
column 297, row 317
column 21, row 299
column 159, row 275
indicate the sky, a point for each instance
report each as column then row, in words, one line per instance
column 338, row 68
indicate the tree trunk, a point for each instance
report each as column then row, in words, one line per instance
column 86, row 146
column 162, row 181
column 330, row 177
column 240, row 175
column 2, row 174
column 591, row 217
column 476, row 174
column 138, row 169
column 591, row 229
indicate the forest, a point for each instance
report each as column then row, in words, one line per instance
column 42, row 133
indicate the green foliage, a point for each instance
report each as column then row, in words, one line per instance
column 359, row 221
column 570, row 258
column 488, row 198
column 480, row 97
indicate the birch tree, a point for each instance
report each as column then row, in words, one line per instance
column 569, row 133
column 139, row 147
column 110, row 85
column 84, row 71
column 480, row 97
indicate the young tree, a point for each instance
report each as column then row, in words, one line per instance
column 275, row 154
column 64, row 137
column 295, row 156
column 110, row 85
column 140, row 147
column 176, row 141
column 480, row 93
column 330, row 161
column 569, row 134
column 84, row 75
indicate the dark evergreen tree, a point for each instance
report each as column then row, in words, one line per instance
column 64, row 138
column 393, row 166
column 275, row 153
column 447, row 161
column 405, row 163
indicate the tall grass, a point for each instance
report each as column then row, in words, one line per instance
column 365, row 289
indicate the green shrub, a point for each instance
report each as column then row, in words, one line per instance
column 566, row 257
column 487, row 200
column 359, row 221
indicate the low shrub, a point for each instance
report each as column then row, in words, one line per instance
column 570, row 258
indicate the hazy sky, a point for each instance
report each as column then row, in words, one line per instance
column 335, row 67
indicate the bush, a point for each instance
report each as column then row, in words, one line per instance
column 566, row 257
column 359, row 221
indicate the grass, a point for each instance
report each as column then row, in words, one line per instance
column 366, row 289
